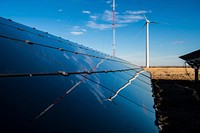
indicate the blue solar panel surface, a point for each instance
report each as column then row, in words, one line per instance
column 49, row 84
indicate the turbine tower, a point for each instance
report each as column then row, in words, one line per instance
column 147, row 40
column 113, row 26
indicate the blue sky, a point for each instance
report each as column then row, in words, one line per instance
column 89, row 22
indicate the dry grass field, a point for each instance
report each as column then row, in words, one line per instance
column 172, row 73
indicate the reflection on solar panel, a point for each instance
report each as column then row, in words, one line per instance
column 49, row 84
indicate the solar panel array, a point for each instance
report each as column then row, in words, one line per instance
column 49, row 84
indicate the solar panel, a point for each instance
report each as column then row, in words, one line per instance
column 49, row 84
column 193, row 58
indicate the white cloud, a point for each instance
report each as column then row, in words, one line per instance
column 84, row 30
column 86, row 12
column 93, row 17
column 100, row 26
column 109, row 1
column 107, row 16
column 60, row 10
column 178, row 42
column 129, row 18
column 94, row 25
column 138, row 12
column 104, row 21
column 76, row 32
column 125, row 17
column 76, row 27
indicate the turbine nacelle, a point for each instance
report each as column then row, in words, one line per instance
column 147, row 21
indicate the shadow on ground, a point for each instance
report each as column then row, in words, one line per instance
column 177, row 106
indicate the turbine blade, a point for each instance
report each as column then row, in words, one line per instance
column 159, row 23
column 144, row 25
column 155, row 23
column 145, row 18
column 138, row 33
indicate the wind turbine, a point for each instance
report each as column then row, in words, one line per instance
column 147, row 39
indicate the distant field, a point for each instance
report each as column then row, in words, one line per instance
column 172, row 73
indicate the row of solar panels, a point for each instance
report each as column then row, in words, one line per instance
column 49, row 84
